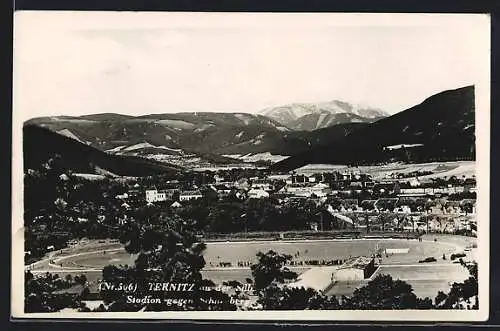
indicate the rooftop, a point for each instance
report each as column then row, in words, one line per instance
column 359, row 262
column 318, row 278
column 191, row 192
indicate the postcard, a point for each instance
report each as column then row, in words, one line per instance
column 251, row 166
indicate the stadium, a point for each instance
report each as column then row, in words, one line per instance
column 335, row 267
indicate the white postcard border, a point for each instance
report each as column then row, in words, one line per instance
column 482, row 93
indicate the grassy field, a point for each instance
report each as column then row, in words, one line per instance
column 235, row 252
column 439, row 169
column 426, row 279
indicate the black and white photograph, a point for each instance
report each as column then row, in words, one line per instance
column 251, row 166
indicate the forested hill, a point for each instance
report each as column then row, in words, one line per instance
column 40, row 144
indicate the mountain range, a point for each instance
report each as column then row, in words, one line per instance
column 441, row 128
column 189, row 138
column 312, row 116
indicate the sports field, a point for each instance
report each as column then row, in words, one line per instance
column 426, row 278
column 303, row 250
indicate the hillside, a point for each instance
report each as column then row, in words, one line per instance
column 190, row 139
column 312, row 116
column 440, row 128
column 190, row 132
column 40, row 144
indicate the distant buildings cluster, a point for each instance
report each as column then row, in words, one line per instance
column 357, row 191
column 339, row 193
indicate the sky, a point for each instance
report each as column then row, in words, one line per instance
column 76, row 63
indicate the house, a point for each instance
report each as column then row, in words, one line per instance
column 321, row 190
column 257, row 194
column 190, row 195
column 415, row 192
column 298, row 189
column 284, row 177
column 387, row 188
column 64, row 177
column 172, row 183
column 295, row 179
column 242, row 184
column 262, row 184
column 176, row 204
column 123, row 196
column 311, row 179
column 242, row 195
column 123, row 220
column 221, row 189
column 160, row 195
column 414, row 182
column 133, row 193
column 155, row 196
column 218, row 179
column 405, row 209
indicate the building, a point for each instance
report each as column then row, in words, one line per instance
column 355, row 269
column 340, row 221
column 297, row 189
column 306, row 189
column 321, row 190
column 257, row 194
column 284, row 177
column 221, row 189
column 123, row 196
column 386, row 188
column 160, row 195
column 296, row 179
column 241, row 184
column 218, row 178
column 190, row 195
column 317, row 278
column 176, row 204
column 414, row 182
column 262, row 184
column 415, row 192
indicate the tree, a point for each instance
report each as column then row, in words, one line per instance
column 461, row 295
column 384, row 218
column 275, row 297
column 42, row 294
column 385, row 293
column 167, row 253
column 271, row 268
